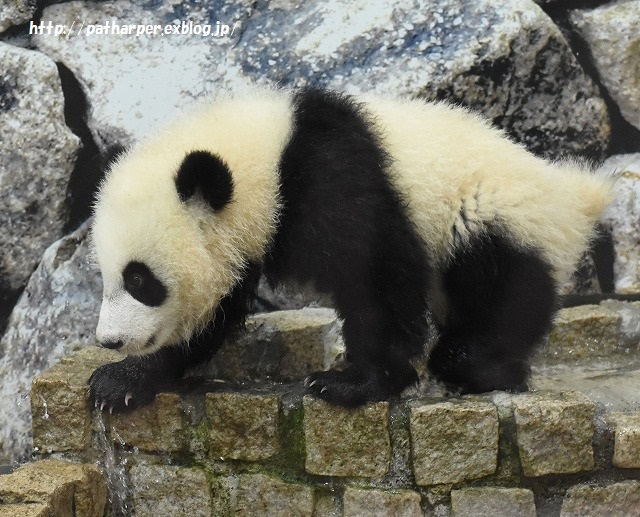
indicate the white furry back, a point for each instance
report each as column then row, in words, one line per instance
column 458, row 172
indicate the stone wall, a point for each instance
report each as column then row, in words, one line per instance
column 559, row 76
column 212, row 447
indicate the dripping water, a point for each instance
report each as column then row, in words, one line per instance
column 113, row 469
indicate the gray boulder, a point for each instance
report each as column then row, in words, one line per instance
column 15, row 12
column 37, row 154
column 135, row 83
column 57, row 313
column 507, row 60
column 622, row 218
column 612, row 32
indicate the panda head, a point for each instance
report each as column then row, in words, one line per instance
column 163, row 241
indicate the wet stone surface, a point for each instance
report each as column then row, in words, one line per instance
column 167, row 490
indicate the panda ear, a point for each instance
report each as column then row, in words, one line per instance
column 111, row 156
column 205, row 173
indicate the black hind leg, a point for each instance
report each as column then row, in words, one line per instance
column 382, row 301
column 378, row 353
column 500, row 304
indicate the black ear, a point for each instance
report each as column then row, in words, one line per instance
column 205, row 173
column 111, row 156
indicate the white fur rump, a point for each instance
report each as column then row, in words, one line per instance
column 461, row 177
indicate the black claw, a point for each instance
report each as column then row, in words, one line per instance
column 351, row 387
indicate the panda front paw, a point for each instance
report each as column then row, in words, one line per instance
column 125, row 385
column 354, row 386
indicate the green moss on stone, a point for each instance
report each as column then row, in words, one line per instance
column 291, row 456
column 194, row 439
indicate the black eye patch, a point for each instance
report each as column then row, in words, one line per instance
column 143, row 285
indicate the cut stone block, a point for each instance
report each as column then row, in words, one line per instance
column 617, row 500
column 626, row 450
column 242, row 426
column 381, row 503
column 453, row 441
column 502, row 502
column 346, row 442
column 164, row 490
column 61, row 414
column 554, row 432
column 66, row 489
column 265, row 495
column 281, row 346
column 582, row 332
column 157, row 427
column 25, row 510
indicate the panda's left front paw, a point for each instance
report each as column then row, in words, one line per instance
column 354, row 386
column 125, row 385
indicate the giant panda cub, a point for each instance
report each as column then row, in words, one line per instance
column 392, row 208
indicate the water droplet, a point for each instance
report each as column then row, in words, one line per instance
column 45, row 416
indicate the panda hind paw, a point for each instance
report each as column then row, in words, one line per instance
column 351, row 387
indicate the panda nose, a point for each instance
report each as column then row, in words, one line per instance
column 113, row 345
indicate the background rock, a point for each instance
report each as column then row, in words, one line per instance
column 622, row 218
column 15, row 12
column 136, row 83
column 612, row 32
column 56, row 313
column 37, row 153
column 507, row 60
